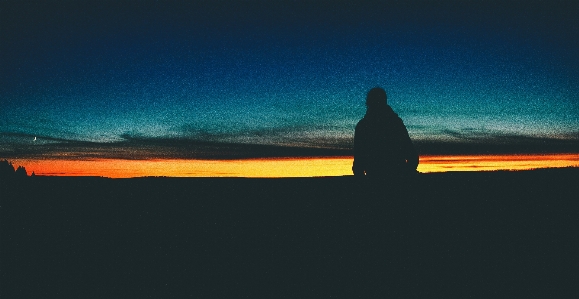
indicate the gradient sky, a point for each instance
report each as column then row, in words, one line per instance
column 240, row 79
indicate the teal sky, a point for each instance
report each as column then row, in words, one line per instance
column 284, row 78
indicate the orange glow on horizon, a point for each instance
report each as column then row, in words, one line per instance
column 496, row 162
column 287, row 167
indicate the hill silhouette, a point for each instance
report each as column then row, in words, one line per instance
column 486, row 234
column 7, row 171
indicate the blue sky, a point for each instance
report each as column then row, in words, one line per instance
column 235, row 78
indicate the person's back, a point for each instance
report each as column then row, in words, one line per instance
column 382, row 146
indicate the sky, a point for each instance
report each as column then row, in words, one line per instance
column 142, row 80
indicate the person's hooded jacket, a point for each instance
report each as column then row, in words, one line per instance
column 382, row 145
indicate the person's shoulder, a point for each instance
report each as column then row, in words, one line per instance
column 393, row 117
column 396, row 121
column 399, row 120
column 362, row 123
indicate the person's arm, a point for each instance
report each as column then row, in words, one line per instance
column 410, row 152
column 412, row 158
column 358, row 166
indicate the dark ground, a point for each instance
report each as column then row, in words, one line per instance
column 452, row 235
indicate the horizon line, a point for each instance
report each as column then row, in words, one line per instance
column 270, row 167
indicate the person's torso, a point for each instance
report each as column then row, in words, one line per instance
column 384, row 143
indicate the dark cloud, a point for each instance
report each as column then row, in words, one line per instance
column 26, row 136
column 476, row 142
column 287, row 136
column 141, row 147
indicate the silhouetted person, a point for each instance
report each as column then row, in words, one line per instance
column 382, row 147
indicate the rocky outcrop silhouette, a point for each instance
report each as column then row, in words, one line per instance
column 20, row 172
column 7, row 170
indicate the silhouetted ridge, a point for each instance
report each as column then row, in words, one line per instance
column 7, row 170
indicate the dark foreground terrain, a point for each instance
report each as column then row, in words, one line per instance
column 479, row 235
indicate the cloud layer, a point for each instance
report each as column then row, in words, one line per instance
column 214, row 148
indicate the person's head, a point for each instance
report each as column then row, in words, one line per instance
column 376, row 97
